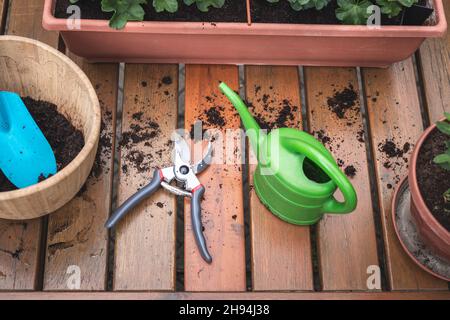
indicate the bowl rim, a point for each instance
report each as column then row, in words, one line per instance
column 91, row 141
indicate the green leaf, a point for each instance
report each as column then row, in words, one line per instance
column 353, row 11
column 203, row 5
column 444, row 127
column 393, row 8
column 298, row 5
column 443, row 160
column 124, row 11
column 447, row 196
column 165, row 5
column 447, row 115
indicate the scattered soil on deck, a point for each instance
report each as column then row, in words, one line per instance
column 395, row 156
column 65, row 140
column 350, row 171
column 142, row 130
column 232, row 11
column 104, row 151
column 275, row 111
column 211, row 118
column 345, row 104
column 434, row 180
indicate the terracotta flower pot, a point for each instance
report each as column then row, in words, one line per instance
column 242, row 43
column 34, row 69
column 431, row 231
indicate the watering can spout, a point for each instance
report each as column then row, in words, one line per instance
column 254, row 131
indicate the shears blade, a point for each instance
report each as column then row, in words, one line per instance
column 182, row 149
column 205, row 162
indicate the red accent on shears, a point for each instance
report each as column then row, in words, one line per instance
column 161, row 176
column 197, row 188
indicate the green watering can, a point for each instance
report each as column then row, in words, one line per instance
column 296, row 176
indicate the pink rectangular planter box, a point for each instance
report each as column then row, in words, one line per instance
column 241, row 43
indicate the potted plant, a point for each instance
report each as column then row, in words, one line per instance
column 241, row 32
column 429, row 182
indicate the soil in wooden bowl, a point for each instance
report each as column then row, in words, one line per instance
column 232, row 11
column 65, row 140
column 433, row 180
column 263, row 11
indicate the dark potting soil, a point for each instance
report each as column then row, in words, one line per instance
column 265, row 12
column 433, row 180
column 211, row 118
column 343, row 101
column 232, row 11
column 104, row 151
column 65, row 140
column 142, row 130
column 350, row 171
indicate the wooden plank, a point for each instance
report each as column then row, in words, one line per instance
column 435, row 63
column 222, row 207
column 347, row 243
column 224, row 296
column 76, row 233
column 394, row 116
column 3, row 10
column 281, row 252
column 26, row 20
column 145, row 239
column 19, row 241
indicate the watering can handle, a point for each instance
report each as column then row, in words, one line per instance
column 333, row 171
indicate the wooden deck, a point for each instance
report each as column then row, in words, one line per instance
column 153, row 255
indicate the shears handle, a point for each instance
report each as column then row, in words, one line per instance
column 196, row 220
column 134, row 200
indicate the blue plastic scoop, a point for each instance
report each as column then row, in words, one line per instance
column 25, row 154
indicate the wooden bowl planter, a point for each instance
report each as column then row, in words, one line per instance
column 431, row 231
column 244, row 43
column 34, row 69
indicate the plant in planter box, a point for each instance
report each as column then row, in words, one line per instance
column 305, row 4
column 228, row 35
column 354, row 11
column 132, row 10
column 203, row 5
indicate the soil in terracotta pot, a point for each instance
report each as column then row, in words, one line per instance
column 265, row 12
column 232, row 11
column 65, row 140
column 433, row 180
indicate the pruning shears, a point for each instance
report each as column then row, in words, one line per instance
column 184, row 172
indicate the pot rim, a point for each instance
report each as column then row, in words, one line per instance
column 394, row 221
column 49, row 22
column 90, row 142
column 414, row 186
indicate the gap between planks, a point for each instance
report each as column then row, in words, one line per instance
column 3, row 15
